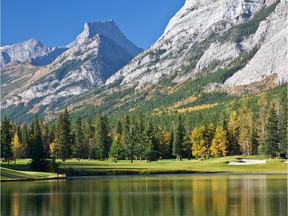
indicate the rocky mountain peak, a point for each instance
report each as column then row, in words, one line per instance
column 23, row 51
column 107, row 29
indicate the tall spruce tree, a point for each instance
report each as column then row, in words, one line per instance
column 151, row 150
column 283, row 123
column 130, row 140
column 271, row 138
column 116, row 151
column 117, row 148
column 102, row 139
column 246, row 129
column 164, row 142
column 89, row 133
column 63, row 135
column 80, row 148
column 6, row 138
column 263, row 104
column 38, row 151
column 178, row 141
column 140, row 142
column 25, row 139
column 233, row 133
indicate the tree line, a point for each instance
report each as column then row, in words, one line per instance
column 239, row 130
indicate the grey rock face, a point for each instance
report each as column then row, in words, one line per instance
column 191, row 39
column 23, row 51
column 108, row 29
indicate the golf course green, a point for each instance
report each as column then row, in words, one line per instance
column 73, row 167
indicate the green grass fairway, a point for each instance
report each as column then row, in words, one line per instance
column 10, row 175
column 214, row 165
column 73, row 167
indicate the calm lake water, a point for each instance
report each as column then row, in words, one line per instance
column 149, row 195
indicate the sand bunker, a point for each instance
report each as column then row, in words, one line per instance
column 247, row 162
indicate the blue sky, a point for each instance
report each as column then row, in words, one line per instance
column 58, row 22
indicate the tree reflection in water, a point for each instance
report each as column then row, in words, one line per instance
column 149, row 195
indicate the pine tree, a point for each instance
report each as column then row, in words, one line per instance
column 150, row 151
column 263, row 104
column 283, row 123
column 89, row 133
column 38, row 152
column 219, row 142
column 140, row 142
column 271, row 138
column 178, row 140
column 63, row 135
column 25, row 140
column 17, row 147
column 130, row 139
column 246, row 129
column 164, row 140
column 6, row 138
column 116, row 150
column 233, row 133
column 102, row 140
column 118, row 128
column 223, row 120
column 80, row 148
column 45, row 137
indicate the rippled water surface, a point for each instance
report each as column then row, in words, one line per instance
column 149, row 195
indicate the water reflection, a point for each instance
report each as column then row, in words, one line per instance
column 153, row 195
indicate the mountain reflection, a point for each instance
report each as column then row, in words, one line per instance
column 149, row 195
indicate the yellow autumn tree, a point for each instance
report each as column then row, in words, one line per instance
column 219, row 142
column 246, row 129
column 54, row 149
column 17, row 147
column 197, row 140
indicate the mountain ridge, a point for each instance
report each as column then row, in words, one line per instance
column 209, row 49
column 72, row 72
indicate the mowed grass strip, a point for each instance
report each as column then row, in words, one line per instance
column 211, row 165
column 12, row 175
column 93, row 167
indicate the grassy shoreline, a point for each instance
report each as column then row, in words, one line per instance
column 74, row 168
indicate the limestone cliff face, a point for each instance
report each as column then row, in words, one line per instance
column 272, row 56
column 23, row 51
column 191, row 40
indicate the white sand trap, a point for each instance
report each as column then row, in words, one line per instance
column 247, row 162
column 286, row 161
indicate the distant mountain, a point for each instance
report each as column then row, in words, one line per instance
column 97, row 53
column 209, row 51
column 30, row 50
